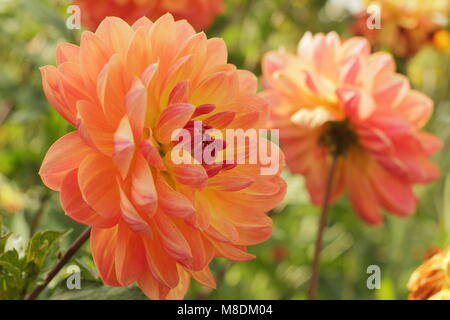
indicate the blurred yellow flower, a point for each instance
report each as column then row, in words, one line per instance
column 431, row 280
column 11, row 200
column 441, row 40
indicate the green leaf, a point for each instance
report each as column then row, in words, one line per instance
column 95, row 291
column 40, row 245
column 11, row 280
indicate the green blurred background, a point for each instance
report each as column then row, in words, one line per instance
column 30, row 30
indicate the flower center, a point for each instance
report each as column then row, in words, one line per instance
column 338, row 137
column 203, row 146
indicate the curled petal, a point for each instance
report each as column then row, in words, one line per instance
column 173, row 118
column 123, row 147
column 97, row 177
column 64, row 155
column 170, row 201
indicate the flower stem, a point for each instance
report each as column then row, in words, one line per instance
column 321, row 229
column 65, row 258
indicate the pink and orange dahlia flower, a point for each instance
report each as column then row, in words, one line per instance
column 125, row 90
column 336, row 98
column 199, row 13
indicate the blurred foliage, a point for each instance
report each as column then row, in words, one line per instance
column 19, row 269
column 28, row 126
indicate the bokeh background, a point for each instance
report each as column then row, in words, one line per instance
column 30, row 30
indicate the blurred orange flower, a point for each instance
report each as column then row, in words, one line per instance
column 431, row 281
column 337, row 97
column 199, row 13
column 406, row 25
column 126, row 89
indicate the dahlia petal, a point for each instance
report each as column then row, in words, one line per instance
column 360, row 192
column 220, row 120
column 248, row 107
column 98, row 184
column 417, row 108
column 394, row 194
column 262, row 195
column 378, row 64
column 202, row 211
column 248, row 82
column 161, row 264
column 356, row 103
column 53, row 88
column 216, row 52
column 93, row 56
column 172, row 239
column 218, row 88
column 180, row 93
column 151, row 287
column 231, row 252
column 151, row 154
column 429, row 143
column 94, row 128
column 305, row 47
column 202, row 250
column 73, row 83
column 172, row 118
column 170, row 201
column 162, row 38
column 181, row 289
column 350, row 70
column 135, row 106
column 143, row 190
column 230, row 181
column 103, row 246
column 374, row 140
column 75, row 207
column 193, row 175
column 129, row 256
column 67, row 52
column 324, row 54
column 115, row 33
column 392, row 90
column 123, row 147
column 142, row 22
column 64, row 155
column 205, row 277
column 112, row 86
column 132, row 218
column 137, row 58
column 390, row 122
column 149, row 74
column 237, row 215
column 252, row 235
column 246, row 120
column 226, row 230
column 184, row 30
column 203, row 109
column 355, row 46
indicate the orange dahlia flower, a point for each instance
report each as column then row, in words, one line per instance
column 126, row 90
column 406, row 25
column 335, row 97
column 431, row 281
column 199, row 13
